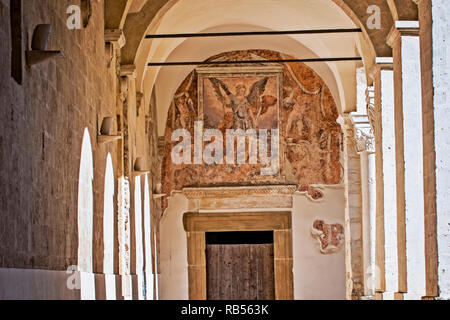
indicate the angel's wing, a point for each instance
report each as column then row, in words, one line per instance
column 217, row 84
column 257, row 90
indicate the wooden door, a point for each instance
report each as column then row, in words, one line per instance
column 240, row 272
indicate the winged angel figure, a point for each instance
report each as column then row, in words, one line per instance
column 246, row 109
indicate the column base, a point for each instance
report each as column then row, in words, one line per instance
column 368, row 298
column 392, row 296
column 378, row 296
column 413, row 296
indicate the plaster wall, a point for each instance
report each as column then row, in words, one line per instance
column 316, row 275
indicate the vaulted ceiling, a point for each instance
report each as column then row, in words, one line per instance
column 141, row 17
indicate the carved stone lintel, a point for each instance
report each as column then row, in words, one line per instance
column 116, row 37
column 256, row 197
column 231, row 192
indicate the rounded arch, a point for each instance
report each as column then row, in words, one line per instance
column 232, row 15
column 86, row 218
column 108, row 230
column 149, row 18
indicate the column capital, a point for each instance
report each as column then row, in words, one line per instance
column 363, row 133
column 364, row 139
column 115, row 36
column 402, row 28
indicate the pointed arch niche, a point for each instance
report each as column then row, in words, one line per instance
column 85, row 219
column 108, row 231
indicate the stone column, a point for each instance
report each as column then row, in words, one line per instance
column 404, row 39
column 435, row 62
column 441, row 84
column 381, row 111
column 126, row 219
column 353, row 240
column 365, row 147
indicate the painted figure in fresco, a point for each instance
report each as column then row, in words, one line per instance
column 246, row 109
column 185, row 110
column 330, row 236
column 297, row 124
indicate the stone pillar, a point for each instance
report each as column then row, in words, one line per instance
column 126, row 219
column 435, row 62
column 365, row 147
column 404, row 39
column 353, row 240
column 114, row 41
column 382, row 114
column 441, row 84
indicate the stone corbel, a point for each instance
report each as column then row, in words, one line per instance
column 114, row 39
column 126, row 72
column 402, row 28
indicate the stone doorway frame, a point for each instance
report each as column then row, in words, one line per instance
column 197, row 224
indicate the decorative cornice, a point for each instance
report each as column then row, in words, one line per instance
column 233, row 192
